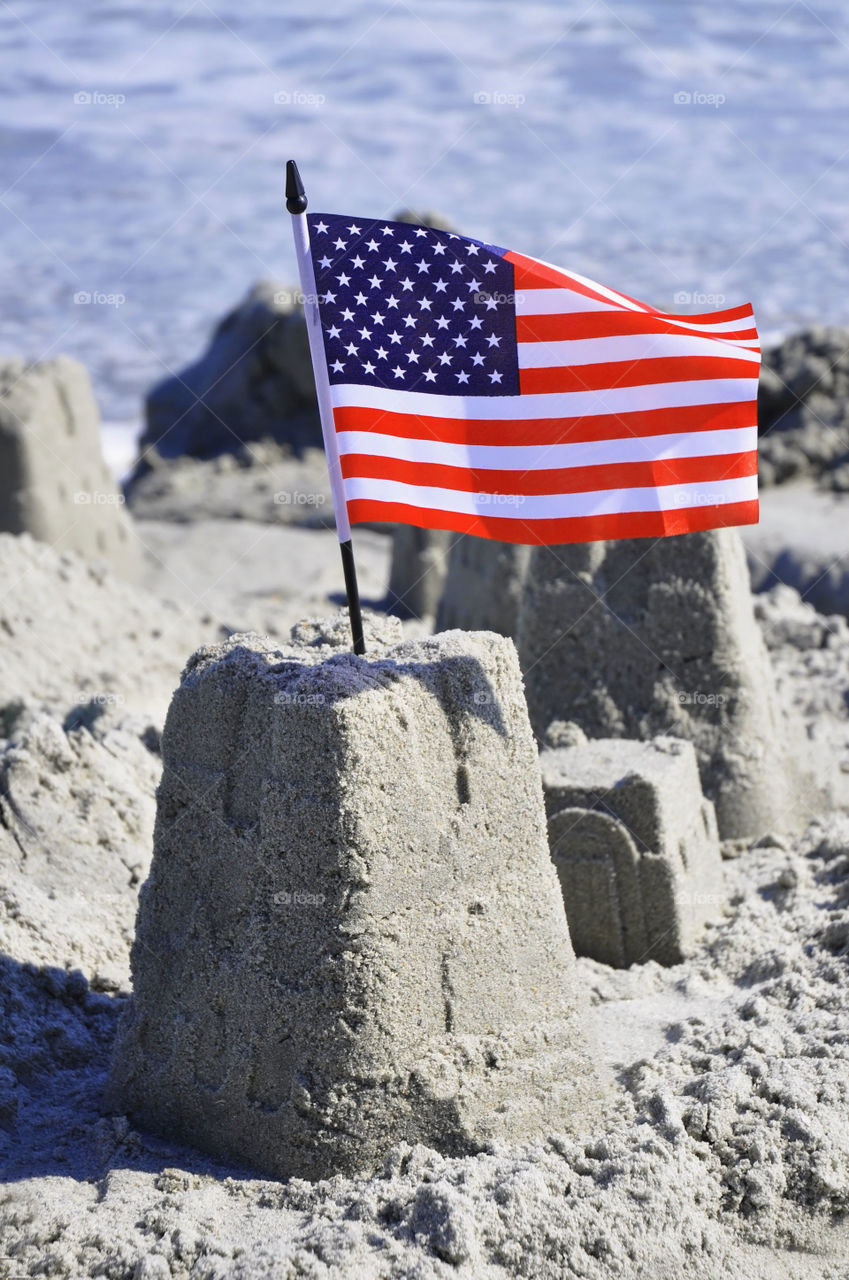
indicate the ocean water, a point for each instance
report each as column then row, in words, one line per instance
column 690, row 154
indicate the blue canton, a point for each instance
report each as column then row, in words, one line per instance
column 414, row 308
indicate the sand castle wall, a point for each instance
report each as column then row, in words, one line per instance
column 352, row 933
column 417, row 571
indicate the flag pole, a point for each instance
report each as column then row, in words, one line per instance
column 296, row 203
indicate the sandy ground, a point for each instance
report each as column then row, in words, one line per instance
column 726, row 1150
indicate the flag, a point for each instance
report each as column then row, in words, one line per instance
column 479, row 390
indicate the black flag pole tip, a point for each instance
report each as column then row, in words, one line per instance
column 296, row 200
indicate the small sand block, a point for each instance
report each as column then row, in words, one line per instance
column 636, row 848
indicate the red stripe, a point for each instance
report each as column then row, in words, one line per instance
column 610, row 324
column 583, row 479
column 542, row 431
column 529, row 274
column 640, row 524
column 633, row 373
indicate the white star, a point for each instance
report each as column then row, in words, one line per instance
column 354, row 230
column 360, row 299
column 406, row 284
column 475, row 322
column 381, row 353
column 333, row 332
column 430, row 376
column 324, row 262
column 352, row 349
column 458, row 304
column 495, row 376
column 420, row 231
column 440, row 285
column 364, row 333
column 390, row 264
column 329, row 297
column 387, row 231
column 410, row 322
column 392, row 302
column 477, row 358
column 337, row 366
column 358, row 261
column 343, row 279
column 472, row 248
column 413, row 357
column 398, row 371
column 373, row 245
column 474, row 285
column 405, row 247
column 377, row 318
column 491, row 304
column 375, row 282
column 489, row 267
column 445, row 358
column 459, row 341
column 427, row 340
column 462, row 376
column 347, row 314
column 423, row 266
column 368, row 367
column 456, row 266
column 321, row 227
column 494, row 340
column 441, row 322
column 425, row 304
column 340, row 243
column 395, row 336
column 439, row 248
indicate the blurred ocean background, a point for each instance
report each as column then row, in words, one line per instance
column 694, row 155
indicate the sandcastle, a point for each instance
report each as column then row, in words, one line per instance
column 636, row 848
column 483, row 585
column 54, row 483
column 417, row 570
column 640, row 637
column 352, row 933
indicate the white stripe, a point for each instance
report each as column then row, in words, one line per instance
column 556, row 302
column 541, row 457
column 553, row 404
column 636, row 346
column 556, row 506
column 618, row 298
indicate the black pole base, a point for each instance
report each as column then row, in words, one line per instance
column 353, row 593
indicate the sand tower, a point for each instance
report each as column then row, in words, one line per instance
column 643, row 637
column 417, row 570
column 352, row 933
column 483, row 585
column 54, row 483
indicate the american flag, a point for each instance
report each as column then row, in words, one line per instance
column 482, row 391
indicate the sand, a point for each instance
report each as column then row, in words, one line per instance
column 726, row 1154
